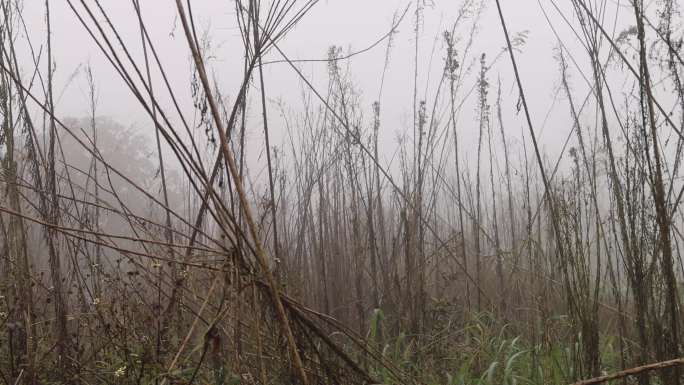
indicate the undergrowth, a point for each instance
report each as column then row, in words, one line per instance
column 483, row 352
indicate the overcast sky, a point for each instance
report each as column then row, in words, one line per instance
column 351, row 24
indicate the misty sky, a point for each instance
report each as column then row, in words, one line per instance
column 351, row 24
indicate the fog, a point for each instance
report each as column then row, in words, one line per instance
column 341, row 192
column 352, row 26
